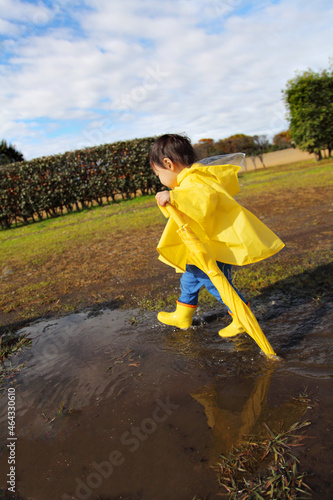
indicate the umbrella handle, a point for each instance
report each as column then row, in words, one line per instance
column 175, row 214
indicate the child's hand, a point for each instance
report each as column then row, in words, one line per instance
column 163, row 198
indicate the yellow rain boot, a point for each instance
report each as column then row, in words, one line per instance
column 181, row 317
column 235, row 328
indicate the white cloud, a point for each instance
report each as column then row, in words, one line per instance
column 8, row 28
column 16, row 10
column 132, row 69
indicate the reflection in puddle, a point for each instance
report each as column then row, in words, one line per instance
column 229, row 425
column 114, row 405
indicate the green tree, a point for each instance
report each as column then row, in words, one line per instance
column 9, row 154
column 309, row 100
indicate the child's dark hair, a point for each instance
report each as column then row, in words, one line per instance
column 177, row 148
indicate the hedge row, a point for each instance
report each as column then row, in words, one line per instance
column 44, row 186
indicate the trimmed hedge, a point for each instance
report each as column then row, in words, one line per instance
column 45, row 186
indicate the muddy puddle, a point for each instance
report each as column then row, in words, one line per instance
column 113, row 405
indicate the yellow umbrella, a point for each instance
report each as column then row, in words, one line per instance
column 200, row 255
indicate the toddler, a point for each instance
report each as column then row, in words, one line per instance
column 204, row 194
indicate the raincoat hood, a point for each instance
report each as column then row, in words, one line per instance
column 220, row 176
column 204, row 194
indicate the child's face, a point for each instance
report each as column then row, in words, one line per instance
column 168, row 175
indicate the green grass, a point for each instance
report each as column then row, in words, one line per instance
column 37, row 242
column 86, row 214
column 10, row 343
column 306, row 173
column 265, row 468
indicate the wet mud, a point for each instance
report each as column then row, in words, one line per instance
column 114, row 405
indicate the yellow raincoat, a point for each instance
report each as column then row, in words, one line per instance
column 204, row 194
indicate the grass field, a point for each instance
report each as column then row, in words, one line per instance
column 107, row 254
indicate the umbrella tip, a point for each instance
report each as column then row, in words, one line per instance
column 273, row 357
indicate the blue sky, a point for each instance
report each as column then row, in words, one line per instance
column 76, row 73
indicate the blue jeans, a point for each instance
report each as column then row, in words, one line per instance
column 193, row 279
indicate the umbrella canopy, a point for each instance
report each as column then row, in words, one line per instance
column 200, row 255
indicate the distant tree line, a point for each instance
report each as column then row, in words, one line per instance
column 47, row 186
column 253, row 146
